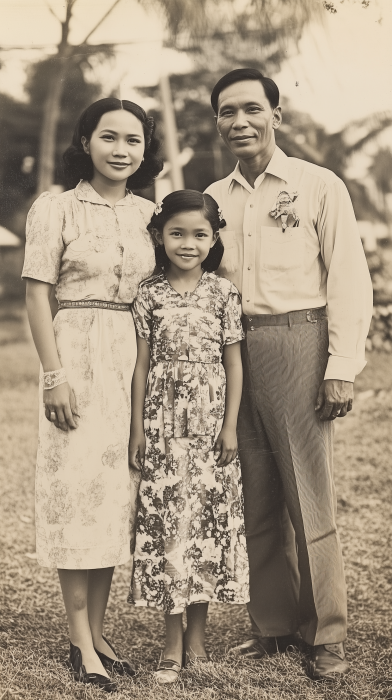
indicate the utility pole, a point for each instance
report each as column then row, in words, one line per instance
column 171, row 141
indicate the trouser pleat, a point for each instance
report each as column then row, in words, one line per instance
column 296, row 566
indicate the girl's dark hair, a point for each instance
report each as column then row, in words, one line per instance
column 188, row 200
column 78, row 164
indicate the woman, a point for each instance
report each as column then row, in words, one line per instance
column 92, row 245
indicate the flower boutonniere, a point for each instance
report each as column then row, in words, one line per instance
column 284, row 208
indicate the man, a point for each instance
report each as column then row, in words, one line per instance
column 293, row 250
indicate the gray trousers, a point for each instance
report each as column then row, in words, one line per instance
column 296, row 567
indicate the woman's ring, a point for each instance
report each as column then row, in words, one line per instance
column 53, row 416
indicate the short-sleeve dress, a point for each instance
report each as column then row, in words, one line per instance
column 85, row 493
column 190, row 536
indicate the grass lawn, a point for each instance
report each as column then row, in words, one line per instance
column 33, row 633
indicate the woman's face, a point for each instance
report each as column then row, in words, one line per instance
column 116, row 146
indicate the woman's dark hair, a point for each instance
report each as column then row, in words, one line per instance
column 238, row 75
column 188, row 200
column 78, row 164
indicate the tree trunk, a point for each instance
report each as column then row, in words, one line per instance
column 51, row 116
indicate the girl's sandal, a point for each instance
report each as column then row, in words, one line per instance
column 188, row 660
column 167, row 671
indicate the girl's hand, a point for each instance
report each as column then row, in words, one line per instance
column 60, row 407
column 226, row 446
column 137, row 449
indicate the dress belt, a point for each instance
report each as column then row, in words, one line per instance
column 94, row 304
column 291, row 318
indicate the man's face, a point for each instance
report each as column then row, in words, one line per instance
column 246, row 120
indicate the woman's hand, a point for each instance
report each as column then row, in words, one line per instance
column 226, row 446
column 137, row 449
column 60, row 407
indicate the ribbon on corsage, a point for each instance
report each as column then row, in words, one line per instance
column 284, row 208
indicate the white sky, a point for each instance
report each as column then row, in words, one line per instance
column 343, row 71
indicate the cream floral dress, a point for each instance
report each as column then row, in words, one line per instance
column 190, row 538
column 85, row 494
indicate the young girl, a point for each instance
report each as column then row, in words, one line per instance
column 190, row 540
column 91, row 244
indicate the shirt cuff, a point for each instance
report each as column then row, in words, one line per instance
column 344, row 368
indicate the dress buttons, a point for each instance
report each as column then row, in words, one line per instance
column 252, row 328
column 249, row 234
column 249, row 267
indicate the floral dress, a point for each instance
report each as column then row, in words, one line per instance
column 190, row 537
column 85, row 493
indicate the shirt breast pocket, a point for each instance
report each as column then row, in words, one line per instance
column 229, row 261
column 282, row 250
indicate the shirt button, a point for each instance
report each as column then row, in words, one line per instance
column 249, row 267
column 248, row 300
column 251, row 206
column 249, row 234
column 252, row 328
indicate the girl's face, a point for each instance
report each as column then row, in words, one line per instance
column 187, row 238
column 116, row 146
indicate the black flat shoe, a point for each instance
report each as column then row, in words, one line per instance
column 122, row 667
column 78, row 670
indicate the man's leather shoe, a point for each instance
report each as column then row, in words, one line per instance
column 258, row 647
column 328, row 661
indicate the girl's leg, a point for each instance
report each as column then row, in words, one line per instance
column 194, row 638
column 99, row 582
column 174, row 634
column 74, row 585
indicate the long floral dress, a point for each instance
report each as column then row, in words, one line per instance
column 190, row 537
column 85, row 493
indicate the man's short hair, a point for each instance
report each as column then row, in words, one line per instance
column 238, row 75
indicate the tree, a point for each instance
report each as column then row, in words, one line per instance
column 20, row 129
column 59, row 63
column 381, row 171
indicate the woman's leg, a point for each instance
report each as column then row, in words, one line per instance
column 99, row 582
column 74, row 585
column 194, row 638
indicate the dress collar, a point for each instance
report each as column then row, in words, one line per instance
column 278, row 167
column 86, row 193
column 205, row 275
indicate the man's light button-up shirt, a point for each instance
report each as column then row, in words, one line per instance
column 319, row 262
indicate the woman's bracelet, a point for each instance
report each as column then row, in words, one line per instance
column 52, row 379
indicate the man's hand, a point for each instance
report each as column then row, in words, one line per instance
column 335, row 399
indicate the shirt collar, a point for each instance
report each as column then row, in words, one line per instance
column 86, row 193
column 278, row 167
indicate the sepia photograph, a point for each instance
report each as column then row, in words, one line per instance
column 196, row 349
